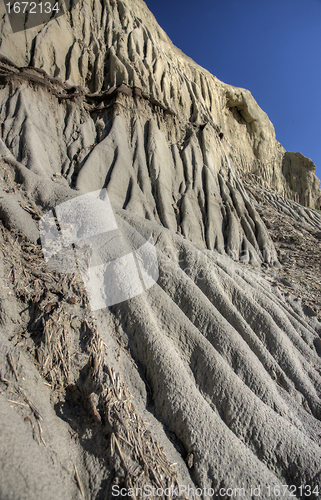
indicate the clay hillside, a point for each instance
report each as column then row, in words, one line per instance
column 160, row 280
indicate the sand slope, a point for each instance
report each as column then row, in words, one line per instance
column 212, row 376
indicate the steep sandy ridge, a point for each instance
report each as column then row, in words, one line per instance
column 223, row 367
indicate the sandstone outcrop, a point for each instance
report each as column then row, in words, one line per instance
column 221, row 366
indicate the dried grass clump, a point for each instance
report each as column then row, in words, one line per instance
column 47, row 294
column 139, row 460
column 52, row 338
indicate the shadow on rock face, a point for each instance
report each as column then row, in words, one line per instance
column 26, row 15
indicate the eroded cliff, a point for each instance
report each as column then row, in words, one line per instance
column 223, row 368
column 99, row 46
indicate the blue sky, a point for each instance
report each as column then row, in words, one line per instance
column 271, row 47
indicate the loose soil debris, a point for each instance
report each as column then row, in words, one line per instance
column 133, row 455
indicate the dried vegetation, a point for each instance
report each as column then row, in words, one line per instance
column 69, row 353
column 296, row 234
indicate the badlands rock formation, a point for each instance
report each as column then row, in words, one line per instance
column 212, row 368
